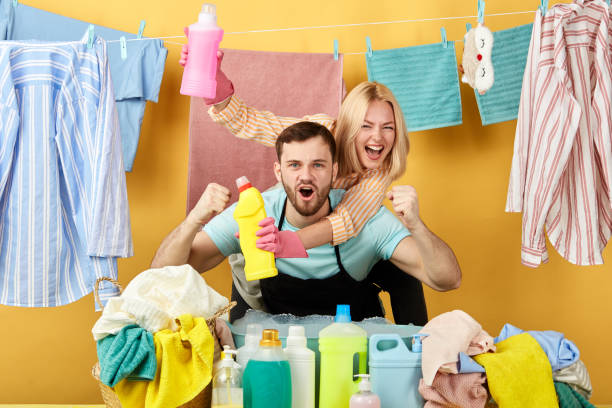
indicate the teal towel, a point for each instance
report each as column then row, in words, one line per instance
column 568, row 398
column 509, row 56
column 130, row 353
column 424, row 80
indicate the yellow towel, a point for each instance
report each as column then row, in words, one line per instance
column 519, row 374
column 184, row 367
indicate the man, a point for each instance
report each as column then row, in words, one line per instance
column 330, row 275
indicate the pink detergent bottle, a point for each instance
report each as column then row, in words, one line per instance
column 199, row 76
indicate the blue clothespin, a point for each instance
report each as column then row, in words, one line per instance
column 468, row 27
column 481, row 9
column 90, row 36
column 335, row 49
column 141, row 29
column 123, row 43
column 443, row 32
column 543, row 7
column 608, row 1
column 369, row 46
column 15, row 3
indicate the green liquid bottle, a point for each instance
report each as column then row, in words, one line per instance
column 266, row 381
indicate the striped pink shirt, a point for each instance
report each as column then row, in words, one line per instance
column 562, row 163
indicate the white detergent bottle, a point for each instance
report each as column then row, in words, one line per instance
column 227, row 382
column 365, row 398
column 302, row 363
column 251, row 344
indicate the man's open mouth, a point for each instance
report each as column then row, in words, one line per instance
column 306, row 192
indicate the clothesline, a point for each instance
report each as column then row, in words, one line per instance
column 335, row 26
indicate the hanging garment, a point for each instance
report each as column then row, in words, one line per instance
column 136, row 79
column 562, row 163
column 509, row 56
column 64, row 215
column 424, row 80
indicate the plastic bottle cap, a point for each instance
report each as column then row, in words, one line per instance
column 242, row 183
column 208, row 13
column 364, row 384
column 343, row 314
column 253, row 334
column 269, row 338
column 417, row 346
column 296, row 337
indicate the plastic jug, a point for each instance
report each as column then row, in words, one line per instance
column 259, row 264
column 396, row 370
column 302, row 363
column 365, row 398
column 227, row 382
column 338, row 344
column 199, row 76
column 267, row 377
column 251, row 344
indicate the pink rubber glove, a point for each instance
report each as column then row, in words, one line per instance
column 284, row 244
column 225, row 88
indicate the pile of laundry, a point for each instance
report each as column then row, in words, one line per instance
column 153, row 342
column 464, row 366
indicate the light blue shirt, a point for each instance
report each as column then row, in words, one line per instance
column 64, row 215
column 377, row 240
column 136, row 79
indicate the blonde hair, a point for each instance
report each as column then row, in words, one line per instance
column 349, row 122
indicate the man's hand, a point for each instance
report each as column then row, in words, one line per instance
column 406, row 205
column 212, row 202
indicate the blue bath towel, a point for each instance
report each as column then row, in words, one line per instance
column 130, row 353
column 424, row 80
column 509, row 57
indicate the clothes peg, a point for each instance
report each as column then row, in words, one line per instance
column 443, row 33
column 90, row 36
column 481, row 9
column 141, row 29
column 15, row 3
column 543, row 7
column 369, row 46
column 608, row 1
column 123, row 43
column 335, row 49
column 468, row 27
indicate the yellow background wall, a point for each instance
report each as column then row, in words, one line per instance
column 460, row 173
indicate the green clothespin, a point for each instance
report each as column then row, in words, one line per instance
column 335, row 49
column 123, row 43
column 443, row 33
column 543, row 7
column 90, row 36
column 369, row 47
column 141, row 29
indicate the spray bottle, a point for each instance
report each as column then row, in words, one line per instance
column 227, row 382
column 365, row 398
column 199, row 76
column 259, row 264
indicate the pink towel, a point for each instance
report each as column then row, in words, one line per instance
column 455, row 391
column 287, row 84
column 449, row 334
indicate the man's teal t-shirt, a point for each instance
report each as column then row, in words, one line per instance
column 377, row 241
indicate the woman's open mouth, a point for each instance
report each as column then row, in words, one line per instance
column 374, row 152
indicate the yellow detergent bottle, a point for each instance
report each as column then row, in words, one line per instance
column 259, row 264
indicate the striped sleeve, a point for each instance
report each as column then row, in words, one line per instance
column 110, row 218
column 358, row 205
column 260, row 126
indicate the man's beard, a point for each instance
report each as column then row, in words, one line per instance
column 306, row 209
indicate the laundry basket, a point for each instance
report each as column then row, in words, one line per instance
column 202, row 400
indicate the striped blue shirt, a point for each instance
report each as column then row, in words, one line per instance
column 64, row 215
